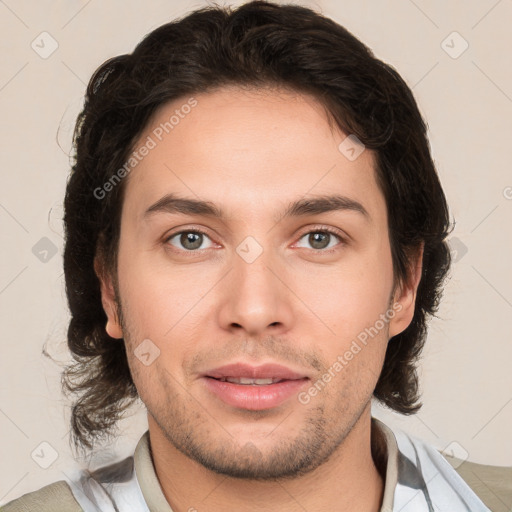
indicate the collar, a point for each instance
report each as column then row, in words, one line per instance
column 417, row 479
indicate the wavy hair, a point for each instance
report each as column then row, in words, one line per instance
column 257, row 44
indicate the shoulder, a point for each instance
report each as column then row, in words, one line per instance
column 98, row 490
column 492, row 484
column 55, row 497
column 454, row 484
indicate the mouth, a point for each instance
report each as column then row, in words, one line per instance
column 264, row 372
column 253, row 387
column 245, row 381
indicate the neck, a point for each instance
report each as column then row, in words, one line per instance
column 348, row 480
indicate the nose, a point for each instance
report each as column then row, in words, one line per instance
column 256, row 297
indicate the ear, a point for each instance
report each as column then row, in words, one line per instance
column 405, row 296
column 108, row 299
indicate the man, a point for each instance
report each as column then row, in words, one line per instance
column 255, row 239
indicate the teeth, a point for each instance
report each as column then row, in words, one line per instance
column 245, row 380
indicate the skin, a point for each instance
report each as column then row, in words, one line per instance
column 251, row 152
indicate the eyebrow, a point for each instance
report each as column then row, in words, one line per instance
column 172, row 203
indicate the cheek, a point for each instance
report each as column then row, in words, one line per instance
column 350, row 295
column 155, row 293
column 163, row 305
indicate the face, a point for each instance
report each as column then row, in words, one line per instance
column 308, row 288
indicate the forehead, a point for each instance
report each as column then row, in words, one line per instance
column 249, row 150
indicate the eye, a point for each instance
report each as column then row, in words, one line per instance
column 320, row 239
column 190, row 240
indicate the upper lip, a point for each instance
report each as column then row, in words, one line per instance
column 264, row 371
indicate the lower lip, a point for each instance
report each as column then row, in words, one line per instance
column 254, row 397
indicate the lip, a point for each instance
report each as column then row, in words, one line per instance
column 264, row 371
column 254, row 397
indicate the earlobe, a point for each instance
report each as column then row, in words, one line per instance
column 113, row 330
column 108, row 301
column 405, row 298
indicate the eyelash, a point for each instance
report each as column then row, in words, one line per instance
column 320, row 229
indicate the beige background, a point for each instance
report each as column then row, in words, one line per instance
column 467, row 102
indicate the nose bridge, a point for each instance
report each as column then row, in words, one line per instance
column 252, row 267
column 255, row 297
